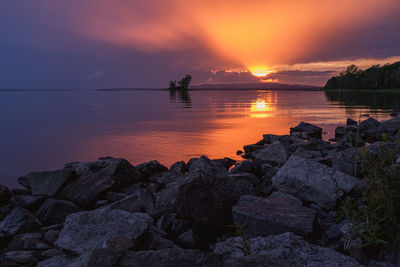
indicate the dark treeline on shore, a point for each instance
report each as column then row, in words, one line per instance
column 375, row 77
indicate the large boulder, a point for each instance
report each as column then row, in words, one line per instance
column 314, row 182
column 54, row 211
column 274, row 153
column 262, row 217
column 165, row 178
column 210, row 167
column 286, row 249
column 19, row 220
column 27, row 201
column 47, row 183
column 310, row 130
column 96, row 178
column 5, row 195
column 87, row 230
column 150, row 168
column 208, row 200
column 392, row 125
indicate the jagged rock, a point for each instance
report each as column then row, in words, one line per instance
column 351, row 122
column 274, row 153
column 286, row 140
column 5, row 195
column 18, row 241
column 96, row 178
column 165, row 178
column 312, row 181
column 19, row 220
column 150, row 168
column 308, row 154
column 22, row 256
column 27, row 201
column 86, row 230
column 262, row 217
column 57, row 261
column 187, row 239
column 285, row 249
column 372, row 129
column 347, row 161
column 226, row 162
column 209, row 200
column 392, row 125
column 286, row 197
column 54, row 211
column 51, row 236
column 47, row 183
column 351, row 139
column 179, row 166
column 308, row 128
column 245, row 176
column 143, row 201
column 210, row 167
column 244, row 166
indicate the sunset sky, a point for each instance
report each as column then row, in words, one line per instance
column 142, row 43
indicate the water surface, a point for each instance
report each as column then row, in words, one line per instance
column 42, row 130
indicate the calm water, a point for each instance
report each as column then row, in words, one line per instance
column 42, row 130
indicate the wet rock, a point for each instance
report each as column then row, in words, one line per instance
column 5, row 195
column 313, row 182
column 274, row 153
column 179, row 166
column 47, row 183
column 54, row 211
column 392, row 125
column 285, row 249
column 96, row 178
column 209, row 200
column 262, row 217
column 150, row 168
column 56, row 261
column 308, row 128
column 19, row 220
column 86, row 230
column 287, row 198
column 22, row 256
column 210, row 167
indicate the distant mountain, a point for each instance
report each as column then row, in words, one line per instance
column 256, row 86
column 375, row 77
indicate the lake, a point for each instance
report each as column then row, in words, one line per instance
column 42, row 130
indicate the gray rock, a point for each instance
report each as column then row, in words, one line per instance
column 286, row 197
column 18, row 221
column 351, row 139
column 27, row 201
column 274, row 153
column 35, row 244
column 179, row 166
column 51, row 236
column 51, row 253
column 308, row 154
column 347, row 161
column 143, row 201
column 392, row 125
column 96, row 178
column 244, row 166
column 115, row 196
column 97, row 257
column 5, row 195
column 56, row 261
column 165, row 221
column 286, row 140
column 308, row 128
column 18, row 242
column 262, row 217
column 208, row 200
column 47, row 183
column 54, row 211
column 165, row 178
column 86, row 230
column 21, row 256
column 150, row 168
column 286, row 249
column 313, row 182
column 334, row 232
column 372, row 129
column 187, row 239
column 245, row 176
column 210, row 167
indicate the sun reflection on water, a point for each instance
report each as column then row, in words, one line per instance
column 261, row 108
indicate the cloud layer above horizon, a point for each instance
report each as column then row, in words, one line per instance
column 144, row 43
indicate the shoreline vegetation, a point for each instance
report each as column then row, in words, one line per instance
column 295, row 200
column 376, row 77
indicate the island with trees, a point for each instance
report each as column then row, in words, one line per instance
column 180, row 85
column 375, row 77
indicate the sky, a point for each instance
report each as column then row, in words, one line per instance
column 68, row 44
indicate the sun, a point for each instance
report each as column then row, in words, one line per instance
column 260, row 71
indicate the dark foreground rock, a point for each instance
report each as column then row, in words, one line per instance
column 18, row 221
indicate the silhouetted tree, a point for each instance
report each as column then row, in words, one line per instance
column 184, row 83
column 172, row 85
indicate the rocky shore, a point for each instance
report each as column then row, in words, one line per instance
column 277, row 207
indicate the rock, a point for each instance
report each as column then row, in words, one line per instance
column 150, row 168
column 351, row 139
column 19, row 220
column 347, row 161
column 286, row 140
column 262, row 217
column 5, row 195
column 334, row 232
column 51, row 253
column 274, row 153
column 54, row 211
column 351, row 122
column 313, row 182
column 308, row 154
column 18, row 242
column 97, row 257
column 143, row 201
column 308, row 128
column 35, row 244
column 392, row 125
column 245, row 176
column 27, row 201
column 22, row 256
column 57, row 226
column 244, row 166
column 165, row 178
column 86, row 230
column 286, row 197
column 47, row 183
column 208, row 200
column 179, row 166
column 96, row 178
column 226, row 162
column 157, row 240
column 5, row 210
column 285, row 249
column 210, row 167
column 165, row 221
column 372, row 129
column 340, row 131
column 51, row 236
column 56, row 261
column 133, row 189
column 100, row 203
column 187, row 239
column 115, row 196
column 176, row 257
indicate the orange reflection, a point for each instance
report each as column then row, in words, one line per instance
column 260, row 109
